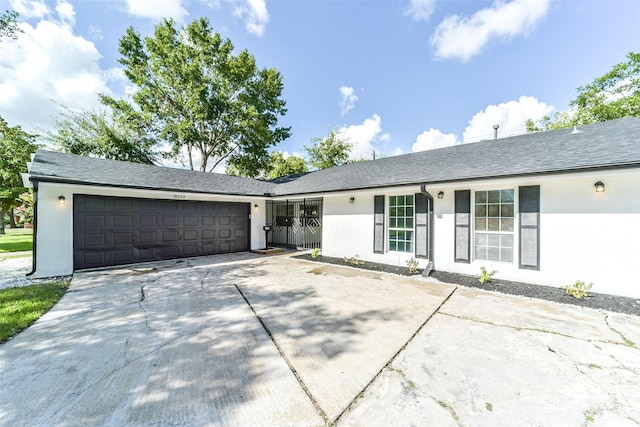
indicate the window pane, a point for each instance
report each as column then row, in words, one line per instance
column 393, row 234
column 392, row 245
column 507, row 240
column 392, row 200
column 408, row 247
column 393, row 212
column 481, row 252
column 409, row 236
column 401, row 223
column 494, row 211
column 481, row 224
column 401, row 211
column 493, row 224
column 410, row 211
column 393, row 223
column 506, row 254
column 481, row 210
column 409, row 222
column 481, row 197
column 493, row 254
column 506, row 224
column 507, row 196
column 493, row 240
column 481, row 239
column 493, row 196
column 506, row 211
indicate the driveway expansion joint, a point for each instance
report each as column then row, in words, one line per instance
column 402, row 348
column 320, row 411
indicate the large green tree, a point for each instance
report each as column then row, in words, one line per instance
column 16, row 147
column 614, row 95
column 332, row 150
column 9, row 24
column 279, row 165
column 194, row 94
column 110, row 134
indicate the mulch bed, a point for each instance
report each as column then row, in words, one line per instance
column 594, row 300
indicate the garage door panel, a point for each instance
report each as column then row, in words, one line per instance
column 117, row 230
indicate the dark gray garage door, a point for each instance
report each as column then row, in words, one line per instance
column 117, row 230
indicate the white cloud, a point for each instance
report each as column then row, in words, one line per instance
column 255, row 15
column 65, row 12
column 432, row 139
column 157, row 9
column 510, row 116
column 45, row 67
column 348, row 101
column 420, row 10
column 30, row 8
column 362, row 136
column 464, row 37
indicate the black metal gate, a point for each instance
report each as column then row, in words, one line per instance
column 295, row 223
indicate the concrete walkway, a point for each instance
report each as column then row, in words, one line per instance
column 248, row 340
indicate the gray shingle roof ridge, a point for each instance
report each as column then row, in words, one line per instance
column 95, row 170
column 541, row 152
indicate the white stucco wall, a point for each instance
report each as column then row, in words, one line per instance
column 54, row 240
column 593, row 237
column 348, row 227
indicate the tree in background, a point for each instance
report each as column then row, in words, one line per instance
column 194, row 94
column 330, row 151
column 110, row 134
column 9, row 24
column 614, row 95
column 279, row 165
column 16, row 147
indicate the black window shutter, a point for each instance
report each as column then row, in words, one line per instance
column 462, row 226
column 529, row 201
column 422, row 226
column 378, row 224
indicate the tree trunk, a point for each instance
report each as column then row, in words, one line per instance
column 2, row 222
column 12, row 219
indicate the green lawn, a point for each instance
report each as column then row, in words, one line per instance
column 20, row 307
column 16, row 239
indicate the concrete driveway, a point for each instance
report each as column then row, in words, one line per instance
column 244, row 340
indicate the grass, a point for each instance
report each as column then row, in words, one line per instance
column 16, row 239
column 20, row 307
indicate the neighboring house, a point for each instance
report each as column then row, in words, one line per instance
column 545, row 208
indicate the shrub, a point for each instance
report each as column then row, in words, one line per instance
column 485, row 276
column 315, row 252
column 413, row 266
column 579, row 289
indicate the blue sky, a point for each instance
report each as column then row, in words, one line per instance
column 390, row 76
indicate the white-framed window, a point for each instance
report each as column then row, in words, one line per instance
column 494, row 225
column 401, row 231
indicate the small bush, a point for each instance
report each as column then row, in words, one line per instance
column 579, row 289
column 354, row 260
column 413, row 266
column 315, row 252
column 485, row 276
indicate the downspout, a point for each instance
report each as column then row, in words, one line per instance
column 430, row 264
column 35, row 229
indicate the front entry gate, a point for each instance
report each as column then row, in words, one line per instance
column 295, row 223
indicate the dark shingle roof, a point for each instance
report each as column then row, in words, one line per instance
column 611, row 144
column 71, row 168
column 615, row 143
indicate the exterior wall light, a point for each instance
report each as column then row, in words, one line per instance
column 599, row 187
column 256, row 207
column 61, row 200
column 440, row 194
column 352, row 199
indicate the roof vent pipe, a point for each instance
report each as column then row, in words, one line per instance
column 495, row 131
